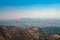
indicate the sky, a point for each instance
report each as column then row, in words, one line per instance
column 16, row 9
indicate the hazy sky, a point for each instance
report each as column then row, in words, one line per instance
column 16, row 9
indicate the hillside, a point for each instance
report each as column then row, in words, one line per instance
column 50, row 30
column 17, row 33
column 33, row 33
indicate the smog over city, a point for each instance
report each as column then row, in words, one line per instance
column 29, row 19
